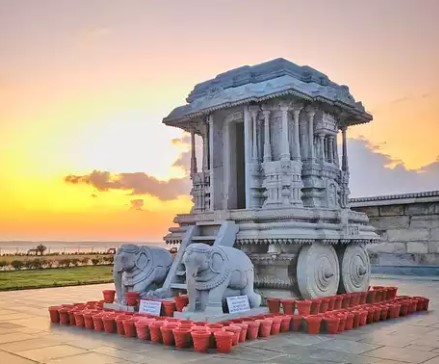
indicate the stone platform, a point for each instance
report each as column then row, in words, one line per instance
column 26, row 336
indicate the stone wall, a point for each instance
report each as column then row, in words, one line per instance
column 408, row 225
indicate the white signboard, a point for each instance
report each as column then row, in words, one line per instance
column 238, row 304
column 151, row 307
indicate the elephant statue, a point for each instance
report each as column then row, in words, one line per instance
column 214, row 273
column 140, row 269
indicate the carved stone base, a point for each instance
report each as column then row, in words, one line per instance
column 118, row 307
column 201, row 316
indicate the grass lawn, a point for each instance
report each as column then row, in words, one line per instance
column 40, row 278
column 10, row 258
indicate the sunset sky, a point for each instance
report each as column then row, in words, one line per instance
column 84, row 85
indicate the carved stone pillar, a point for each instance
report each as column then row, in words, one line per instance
column 311, row 114
column 254, row 115
column 321, row 147
column 193, row 155
column 296, row 114
column 211, row 180
column 330, row 149
column 267, row 144
column 247, row 154
column 285, row 154
column 344, row 174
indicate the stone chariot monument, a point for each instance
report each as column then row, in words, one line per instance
column 270, row 181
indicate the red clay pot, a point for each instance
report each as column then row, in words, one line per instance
column 79, row 319
column 404, row 308
column 64, row 316
column 331, row 324
column 296, row 322
column 129, row 328
column 324, row 305
column 88, row 320
column 142, row 328
column 313, row 323
column 155, row 332
column 167, row 334
column 169, row 308
column 224, row 341
column 185, row 324
column 119, row 323
column 376, row 314
column 181, row 302
column 426, row 303
column 182, row 337
column 331, row 303
column 236, row 331
column 337, row 302
column 393, row 291
column 54, row 314
column 98, row 325
column 363, row 318
column 342, row 323
column 275, row 328
column 346, row 302
column 253, row 329
column 371, row 296
column 349, row 321
column 356, row 297
column 109, row 324
column 395, row 309
column 356, row 321
column 370, row 315
column 315, row 306
column 285, row 323
column 273, row 304
column 304, row 307
column 109, row 295
column 201, row 340
column 132, row 298
column 412, row 305
column 243, row 334
column 265, row 327
column 384, row 313
column 288, row 306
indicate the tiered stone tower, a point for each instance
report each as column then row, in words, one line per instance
column 271, row 181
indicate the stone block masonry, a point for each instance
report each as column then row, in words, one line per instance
column 408, row 225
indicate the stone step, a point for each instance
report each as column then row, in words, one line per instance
column 178, row 285
column 208, row 223
column 204, row 238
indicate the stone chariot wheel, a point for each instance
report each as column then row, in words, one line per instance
column 355, row 269
column 318, row 272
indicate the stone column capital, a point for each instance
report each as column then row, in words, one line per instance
column 266, row 113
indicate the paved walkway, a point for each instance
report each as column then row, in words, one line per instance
column 26, row 336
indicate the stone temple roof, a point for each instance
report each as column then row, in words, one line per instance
column 264, row 81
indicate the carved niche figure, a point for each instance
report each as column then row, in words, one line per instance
column 214, row 273
column 139, row 268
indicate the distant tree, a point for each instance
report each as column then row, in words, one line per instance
column 95, row 261
column 50, row 263
column 75, row 262
column 3, row 263
column 64, row 262
column 17, row 264
column 85, row 261
column 41, row 249
column 43, row 263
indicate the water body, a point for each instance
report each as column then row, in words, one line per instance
column 13, row 247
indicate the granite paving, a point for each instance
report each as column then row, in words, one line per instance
column 26, row 336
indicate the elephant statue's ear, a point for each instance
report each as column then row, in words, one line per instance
column 216, row 261
column 142, row 260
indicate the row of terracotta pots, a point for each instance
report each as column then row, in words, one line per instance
column 375, row 294
column 133, row 299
